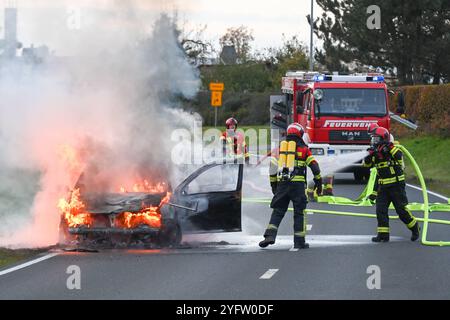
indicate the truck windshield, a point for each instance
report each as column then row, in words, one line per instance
column 352, row 102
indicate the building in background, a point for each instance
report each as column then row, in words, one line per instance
column 228, row 55
column 12, row 49
column 10, row 44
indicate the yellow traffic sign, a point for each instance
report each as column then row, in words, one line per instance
column 216, row 98
column 216, row 86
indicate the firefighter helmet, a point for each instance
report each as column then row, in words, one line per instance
column 296, row 129
column 232, row 122
column 380, row 135
column 372, row 127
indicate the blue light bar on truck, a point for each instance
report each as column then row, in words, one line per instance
column 319, row 78
column 322, row 77
column 378, row 78
column 349, row 78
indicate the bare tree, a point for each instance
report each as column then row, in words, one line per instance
column 196, row 47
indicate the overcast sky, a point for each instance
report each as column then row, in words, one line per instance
column 45, row 21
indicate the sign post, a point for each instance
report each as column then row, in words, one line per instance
column 216, row 97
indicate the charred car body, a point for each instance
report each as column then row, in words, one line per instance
column 208, row 201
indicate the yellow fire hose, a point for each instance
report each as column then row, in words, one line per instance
column 363, row 201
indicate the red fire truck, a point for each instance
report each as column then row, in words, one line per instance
column 335, row 111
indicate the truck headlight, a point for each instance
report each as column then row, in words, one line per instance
column 318, row 151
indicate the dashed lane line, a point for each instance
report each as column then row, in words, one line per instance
column 269, row 274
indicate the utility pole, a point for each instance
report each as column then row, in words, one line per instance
column 311, row 47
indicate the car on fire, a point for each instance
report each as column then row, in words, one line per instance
column 208, row 201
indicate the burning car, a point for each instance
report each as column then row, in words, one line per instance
column 208, row 201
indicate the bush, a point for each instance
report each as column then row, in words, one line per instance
column 429, row 107
column 248, row 108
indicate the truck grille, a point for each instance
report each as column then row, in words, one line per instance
column 349, row 135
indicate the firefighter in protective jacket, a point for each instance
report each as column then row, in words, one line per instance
column 388, row 160
column 288, row 184
column 233, row 142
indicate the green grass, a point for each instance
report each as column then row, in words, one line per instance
column 8, row 256
column 432, row 154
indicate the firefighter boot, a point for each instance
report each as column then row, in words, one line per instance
column 300, row 243
column 381, row 237
column 415, row 232
column 268, row 240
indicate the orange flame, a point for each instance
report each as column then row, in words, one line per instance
column 75, row 214
column 74, row 211
column 150, row 216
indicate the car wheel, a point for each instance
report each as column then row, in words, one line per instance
column 170, row 234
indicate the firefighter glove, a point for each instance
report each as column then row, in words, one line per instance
column 371, row 150
column 318, row 186
column 383, row 149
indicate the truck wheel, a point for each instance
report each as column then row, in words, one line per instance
column 170, row 234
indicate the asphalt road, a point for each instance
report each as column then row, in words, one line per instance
column 232, row 266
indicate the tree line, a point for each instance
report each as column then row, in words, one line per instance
column 412, row 41
column 412, row 44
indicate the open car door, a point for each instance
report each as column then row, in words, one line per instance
column 212, row 198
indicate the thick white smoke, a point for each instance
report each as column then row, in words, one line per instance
column 103, row 110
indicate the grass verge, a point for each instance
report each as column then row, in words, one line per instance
column 432, row 154
column 9, row 256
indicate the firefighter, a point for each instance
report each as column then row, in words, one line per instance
column 373, row 195
column 234, row 142
column 388, row 160
column 288, row 184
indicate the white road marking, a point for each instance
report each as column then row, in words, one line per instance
column 293, row 249
column 309, row 227
column 269, row 274
column 430, row 192
column 27, row 264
